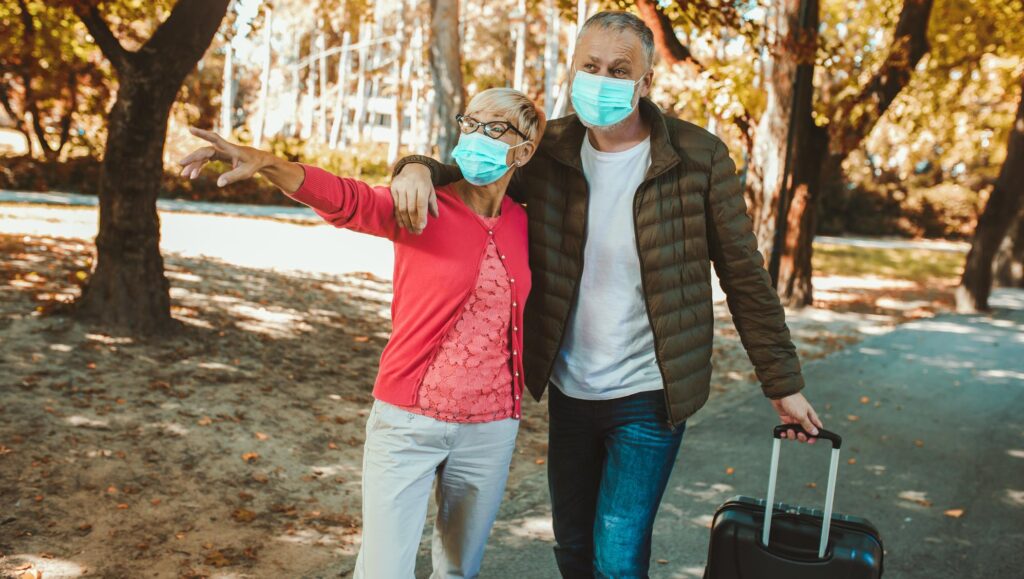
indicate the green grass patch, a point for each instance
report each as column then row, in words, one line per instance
column 916, row 265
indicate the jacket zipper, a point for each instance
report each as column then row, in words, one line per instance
column 579, row 278
column 647, row 306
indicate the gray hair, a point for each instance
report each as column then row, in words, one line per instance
column 620, row 21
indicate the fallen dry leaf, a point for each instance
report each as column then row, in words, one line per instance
column 852, row 417
column 361, row 339
column 261, row 436
column 864, row 400
column 852, row 461
column 917, row 497
column 204, row 421
column 662, row 561
column 919, row 443
column 243, row 515
column 812, row 485
column 539, row 461
column 251, row 457
column 730, row 470
column 955, row 513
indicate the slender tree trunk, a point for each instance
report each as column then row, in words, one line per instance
column 340, row 110
column 446, row 65
column 264, row 104
column 1003, row 207
column 398, row 112
column 520, row 28
column 128, row 287
column 364, row 63
column 551, row 57
column 321, row 103
column 419, row 140
column 227, row 96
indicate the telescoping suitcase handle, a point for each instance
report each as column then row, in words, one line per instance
column 830, row 494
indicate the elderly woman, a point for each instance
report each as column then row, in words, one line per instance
column 448, row 391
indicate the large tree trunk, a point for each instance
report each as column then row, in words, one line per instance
column 792, row 53
column 446, row 65
column 1003, row 207
column 127, row 287
column 1008, row 270
column 853, row 121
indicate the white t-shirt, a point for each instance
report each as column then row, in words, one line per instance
column 608, row 351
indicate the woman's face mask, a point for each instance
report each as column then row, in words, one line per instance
column 481, row 158
column 602, row 101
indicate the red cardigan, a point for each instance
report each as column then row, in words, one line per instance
column 435, row 272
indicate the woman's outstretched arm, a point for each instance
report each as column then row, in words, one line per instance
column 347, row 203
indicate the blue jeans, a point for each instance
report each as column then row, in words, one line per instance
column 608, row 465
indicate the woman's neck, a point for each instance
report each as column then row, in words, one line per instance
column 483, row 199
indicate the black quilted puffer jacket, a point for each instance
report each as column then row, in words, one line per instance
column 688, row 212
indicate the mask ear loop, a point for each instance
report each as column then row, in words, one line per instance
column 516, row 163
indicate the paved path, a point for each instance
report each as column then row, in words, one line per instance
column 943, row 427
column 304, row 214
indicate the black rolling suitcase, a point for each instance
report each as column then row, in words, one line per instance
column 804, row 543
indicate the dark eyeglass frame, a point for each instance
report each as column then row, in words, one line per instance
column 502, row 126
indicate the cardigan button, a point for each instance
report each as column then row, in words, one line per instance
column 512, row 280
column 514, row 304
column 517, row 397
column 503, row 257
column 517, row 374
column 490, row 232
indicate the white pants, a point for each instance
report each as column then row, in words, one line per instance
column 403, row 453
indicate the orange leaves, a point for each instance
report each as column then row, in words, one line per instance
column 730, row 470
column 250, row 457
column 241, row 515
column 954, row 513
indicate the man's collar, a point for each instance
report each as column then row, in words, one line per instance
column 566, row 145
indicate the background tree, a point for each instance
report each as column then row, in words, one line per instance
column 127, row 286
column 1001, row 211
column 446, row 68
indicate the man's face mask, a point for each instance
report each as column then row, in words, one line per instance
column 602, row 101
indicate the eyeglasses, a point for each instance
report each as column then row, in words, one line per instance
column 493, row 129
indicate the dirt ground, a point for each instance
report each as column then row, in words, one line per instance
column 233, row 449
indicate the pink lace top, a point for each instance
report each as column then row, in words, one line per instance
column 470, row 378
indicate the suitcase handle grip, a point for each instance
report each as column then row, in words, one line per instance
column 835, row 439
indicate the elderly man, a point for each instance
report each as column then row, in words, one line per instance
column 627, row 210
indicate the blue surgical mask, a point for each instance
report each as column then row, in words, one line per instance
column 481, row 158
column 602, row 101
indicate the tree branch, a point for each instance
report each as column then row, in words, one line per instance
column 855, row 118
column 674, row 52
column 190, row 26
column 665, row 40
column 105, row 39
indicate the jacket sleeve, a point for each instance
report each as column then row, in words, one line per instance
column 753, row 302
column 348, row 203
column 441, row 174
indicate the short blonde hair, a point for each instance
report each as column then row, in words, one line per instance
column 517, row 108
